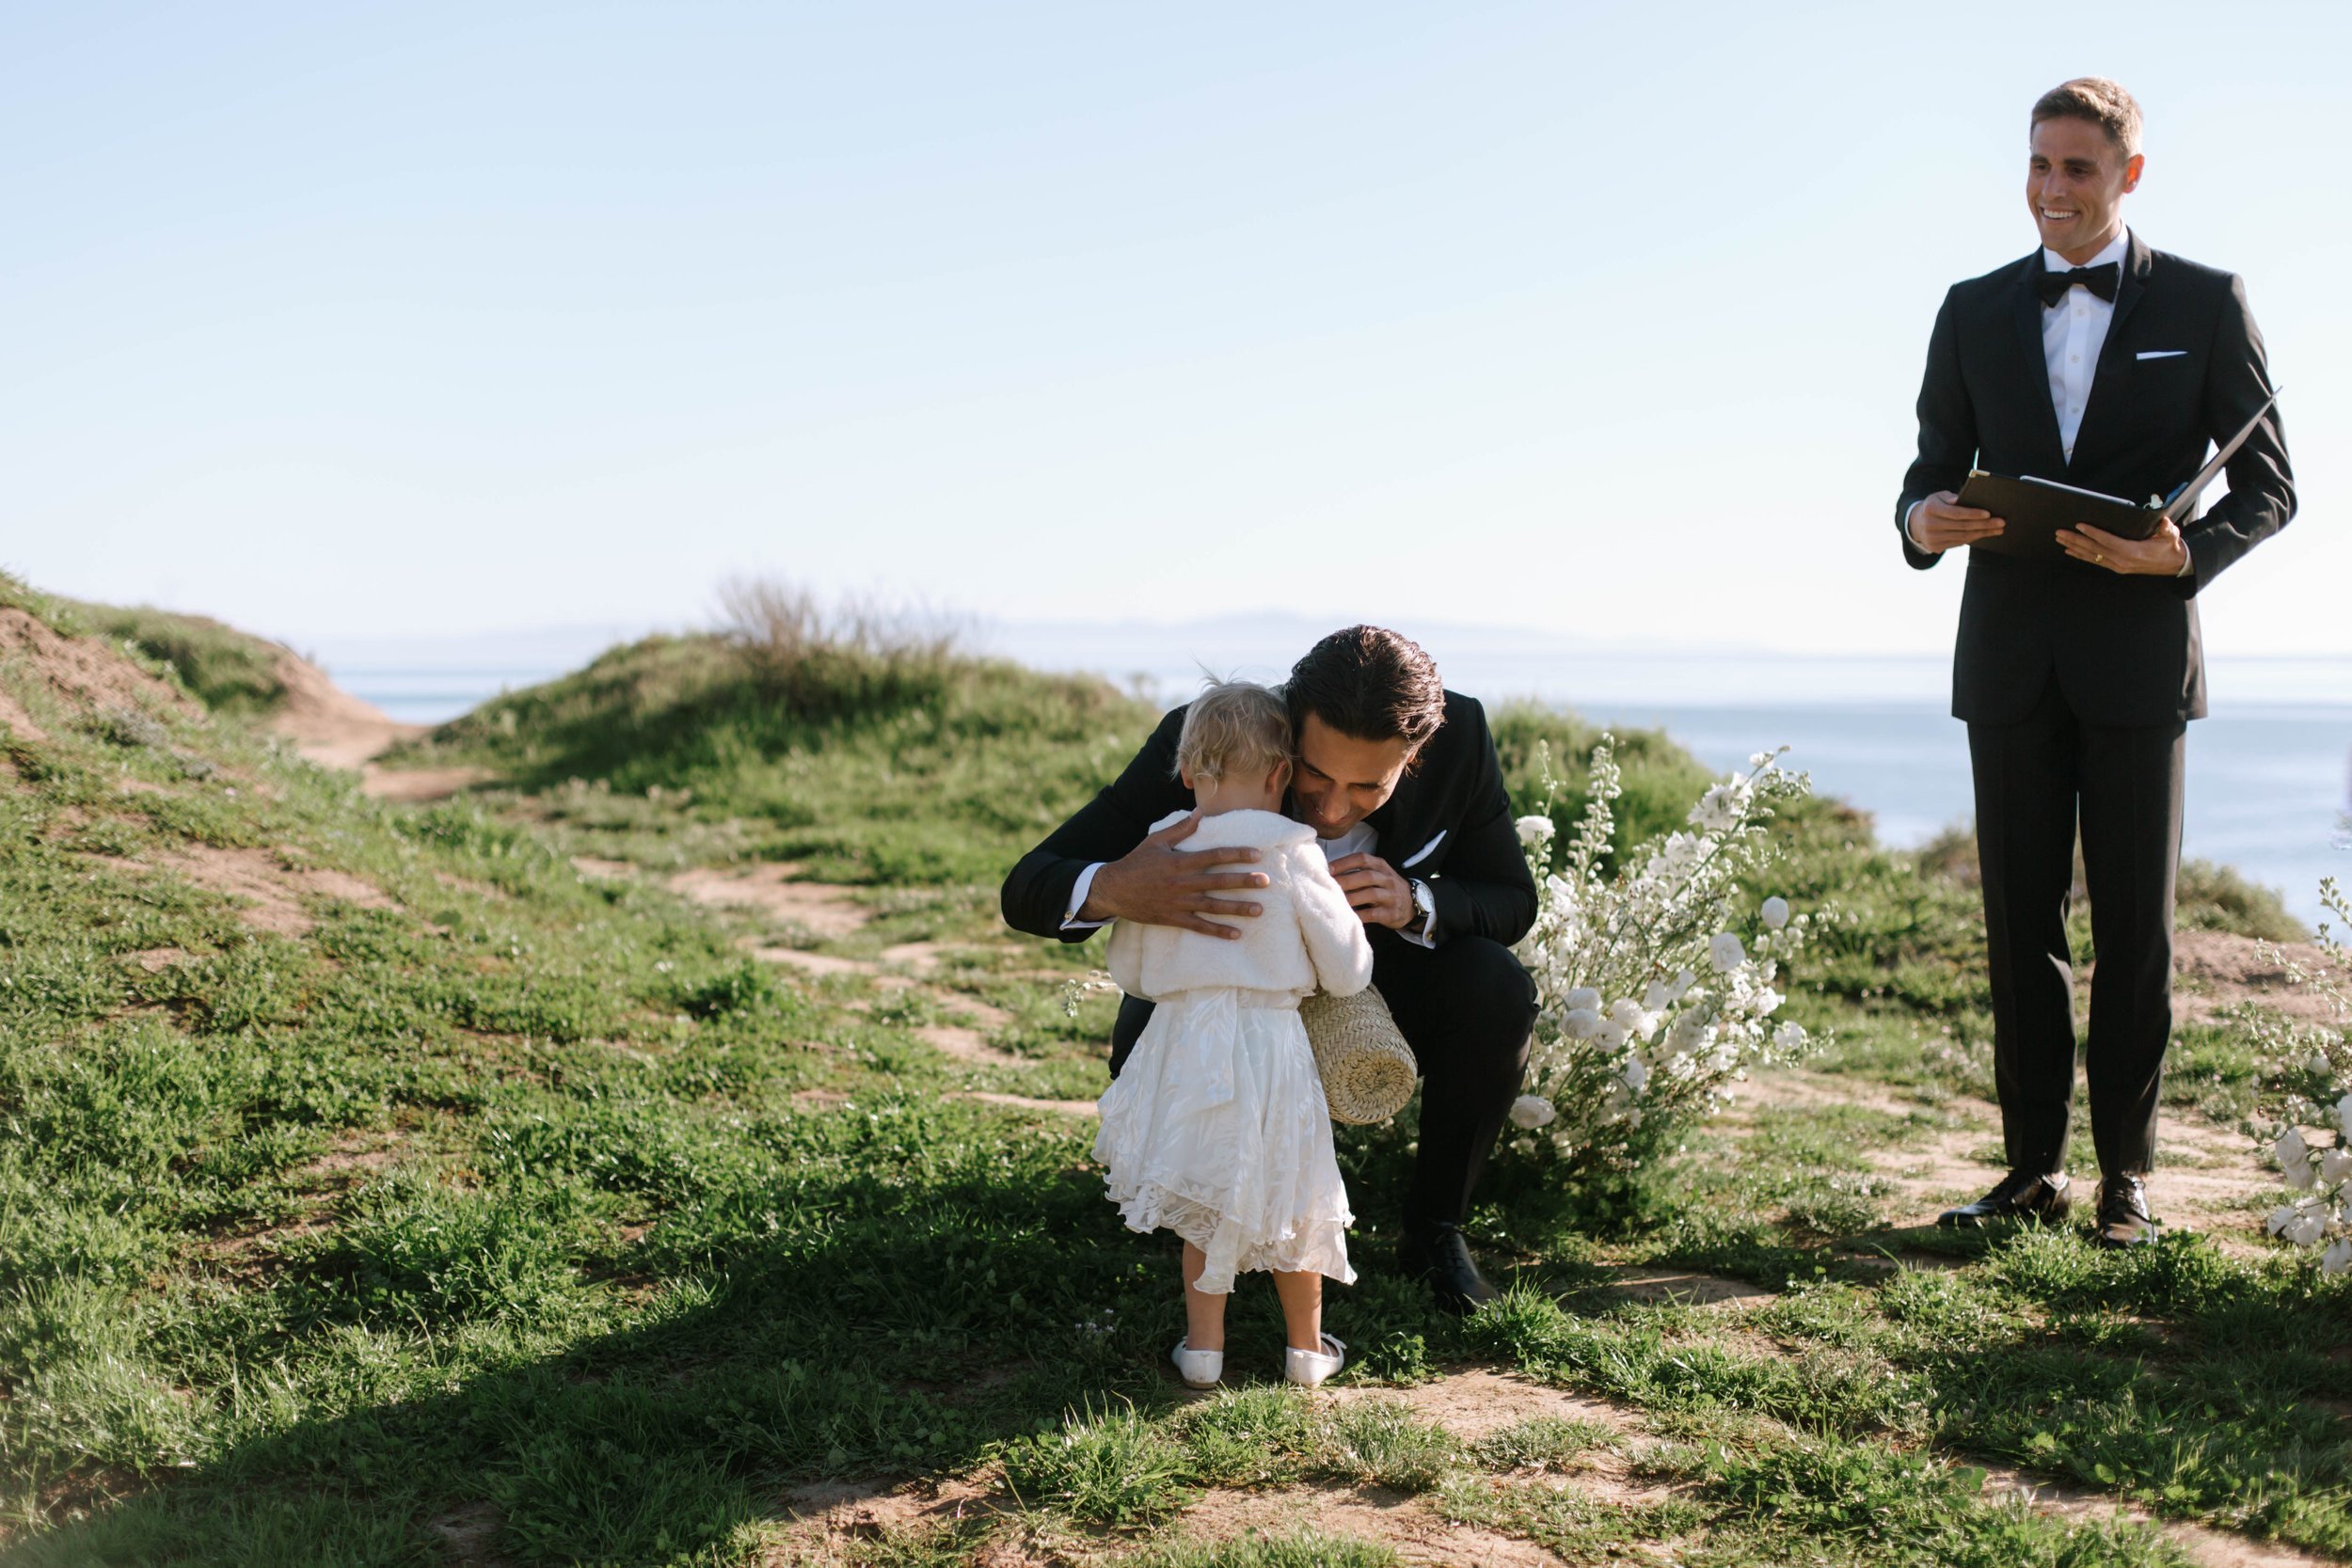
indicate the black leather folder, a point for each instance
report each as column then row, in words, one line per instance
column 2036, row 509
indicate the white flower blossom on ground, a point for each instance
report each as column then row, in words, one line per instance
column 2315, row 1060
column 1631, row 1041
column 1530, row 1111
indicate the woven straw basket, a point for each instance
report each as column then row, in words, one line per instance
column 1367, row 1068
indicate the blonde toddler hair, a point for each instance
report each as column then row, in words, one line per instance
column 1234, row 727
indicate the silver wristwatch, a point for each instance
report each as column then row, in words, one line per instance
column 1425, row 905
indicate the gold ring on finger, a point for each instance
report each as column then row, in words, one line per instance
column 2097, row 559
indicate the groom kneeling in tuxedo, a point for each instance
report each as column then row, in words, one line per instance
column 1399, row 779
column 2098, row 363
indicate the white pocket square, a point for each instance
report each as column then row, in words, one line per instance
column 1423, row 852
column 2162, row 353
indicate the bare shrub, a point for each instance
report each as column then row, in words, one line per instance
column 820, row 659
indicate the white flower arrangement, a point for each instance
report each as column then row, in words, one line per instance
column 2317, row 1212
column 1656, row 985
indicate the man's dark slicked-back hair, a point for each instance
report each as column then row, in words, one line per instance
column 1371, row 684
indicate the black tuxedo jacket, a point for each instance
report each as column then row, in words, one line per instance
column 2125, row 650
column 1448, row 824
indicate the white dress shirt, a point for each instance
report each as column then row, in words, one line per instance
column 1361, row 839
column 2072, row 332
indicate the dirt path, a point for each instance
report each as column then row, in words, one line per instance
column 2208, row 1180
column 828, row 912
column 836, row 1522
column 334, row 729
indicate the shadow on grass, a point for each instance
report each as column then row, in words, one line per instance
column 895, row 1321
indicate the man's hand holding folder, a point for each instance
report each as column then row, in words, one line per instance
column 2162, row 554
column 1941, row 523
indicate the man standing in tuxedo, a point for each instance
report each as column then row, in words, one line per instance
column 2107, row 366
column 1399, row 779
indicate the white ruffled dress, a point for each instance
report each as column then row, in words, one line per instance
column 1216, row 1127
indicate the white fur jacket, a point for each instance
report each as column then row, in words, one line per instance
column 1306, row 938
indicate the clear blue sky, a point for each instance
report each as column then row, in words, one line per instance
column 1605, row 320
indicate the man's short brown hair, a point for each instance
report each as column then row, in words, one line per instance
column 2102, row 102
column 1370, row 684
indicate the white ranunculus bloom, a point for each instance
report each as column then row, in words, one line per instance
column 2338, row 1256
column 1776, row 913
column 2307, row 1227
column 2319, row 1063
column 1659, row 996
column 1725, row 952
column 1613, row 1035
column 1530, row 1111
column 2344, row 1116
column 1640, row 1022
column 1580, row 1023
column 1719, row 809
column 1789, row 1037
column 1535, row 831
column 1636, row 1073
column 2335, row 1164
column 1583, row 996
column 2290, row 1149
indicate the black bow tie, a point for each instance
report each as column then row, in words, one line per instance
column 2099, row 280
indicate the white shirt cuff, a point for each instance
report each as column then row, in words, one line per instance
column 2189, row 561
column 1078, row 891
column 1907, row 519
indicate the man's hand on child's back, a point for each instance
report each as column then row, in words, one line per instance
column 1160, row 884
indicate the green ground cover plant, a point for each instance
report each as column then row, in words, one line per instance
column 379, row 1186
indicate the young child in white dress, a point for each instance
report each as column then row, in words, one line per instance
column 1216, row 1127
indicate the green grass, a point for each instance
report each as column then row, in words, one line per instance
column 230, row 672
column 531, row 1207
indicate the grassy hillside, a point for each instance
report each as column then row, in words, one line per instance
column 874, row 769
column 379, row 1186
column 231, row 672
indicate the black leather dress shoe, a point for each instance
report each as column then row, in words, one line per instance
column 2022, row 1194
column 1437, row 1255
column 2123, row 1218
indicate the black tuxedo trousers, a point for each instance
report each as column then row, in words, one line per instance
column 2037, row 777
column 1467, row 1010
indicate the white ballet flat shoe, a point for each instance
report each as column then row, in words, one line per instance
column 1199, row 1368
column 1308, row 1369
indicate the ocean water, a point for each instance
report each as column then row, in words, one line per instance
column 2269, row 773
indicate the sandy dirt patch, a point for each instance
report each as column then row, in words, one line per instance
column 273, row 890
column 824, row 910
column 1686, row 1289
column 86, row 672
column 817, row 965
column 418, row 785
column 328, row 725
column 2207, row 1180
column 2207, row 1547
column 2215, row 972
column 1026, row 1103
column 334, row 729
